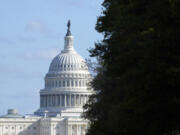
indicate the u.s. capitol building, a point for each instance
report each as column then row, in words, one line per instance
column 65, row 92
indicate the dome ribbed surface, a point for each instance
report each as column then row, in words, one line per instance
column 67, row 61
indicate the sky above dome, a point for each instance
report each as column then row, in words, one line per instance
column 31, row 34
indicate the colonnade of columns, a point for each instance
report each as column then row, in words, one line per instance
column 63, row 100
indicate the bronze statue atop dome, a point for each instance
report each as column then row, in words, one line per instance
column 68, row 30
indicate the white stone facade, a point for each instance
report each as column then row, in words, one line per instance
column 43, row 126
column 65, row 92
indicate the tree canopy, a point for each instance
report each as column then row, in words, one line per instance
column 138, row 81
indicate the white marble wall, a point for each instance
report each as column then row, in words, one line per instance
column 19, row 126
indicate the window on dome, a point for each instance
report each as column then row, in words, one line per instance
column 52, row 83
column 59, row 83
column 49, row 83
column 72, row 83
column 67, row 83
column 56, row 83
column 58, row 100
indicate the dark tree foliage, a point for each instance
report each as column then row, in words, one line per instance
column 138, row 81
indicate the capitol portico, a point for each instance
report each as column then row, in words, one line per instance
column 65, row 92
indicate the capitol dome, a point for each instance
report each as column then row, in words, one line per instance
column 67, row 86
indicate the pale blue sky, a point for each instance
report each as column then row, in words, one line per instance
column 31, row 34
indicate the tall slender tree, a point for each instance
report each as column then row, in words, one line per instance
column 138, row 81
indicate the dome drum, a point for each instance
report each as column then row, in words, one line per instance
column 68, row 100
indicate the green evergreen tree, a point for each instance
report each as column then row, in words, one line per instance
column 138, row 80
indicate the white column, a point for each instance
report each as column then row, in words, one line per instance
column 87, row 97
column 47, row 100
column 86, row 127
column 56, row 100
column 44, row 101
column 82, row 99
column 79, row 100
column 74, row 100
column 50, row 100
column 77, row 129
column 69, row 99
column 60, row 102
column 65, row 100
column 41, row 101
column 53, row 100
column 80, row 129
column 70, row 130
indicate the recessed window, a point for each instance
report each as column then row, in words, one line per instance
column 72, row 83
column 56, row 83
column 59, row 83
column 67, row 83
column 52, row 83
